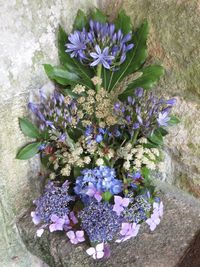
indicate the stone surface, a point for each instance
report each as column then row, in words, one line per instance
column 28, row 31
column 163, row 248
column 174, row 43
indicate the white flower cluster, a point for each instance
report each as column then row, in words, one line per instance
column 138, row 156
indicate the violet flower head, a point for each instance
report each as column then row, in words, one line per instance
column 100, row 222
column 101, row 57
column 100, row 44
column 53, row 204
column 57, row 223
column 128, row 231
column 96, row 252
column 120, row 204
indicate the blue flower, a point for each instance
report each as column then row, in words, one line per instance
column 100, row 44
column 101, row 57
column 163, row 119
column 101, row 178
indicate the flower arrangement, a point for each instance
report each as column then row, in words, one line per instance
column 99, row 134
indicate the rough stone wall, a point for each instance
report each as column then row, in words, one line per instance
column 27, row 41
column 174, row 42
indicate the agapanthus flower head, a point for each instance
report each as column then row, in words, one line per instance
column 94, row 182
column 101, row 44
column 53, row 204
column 54, row 113
column 100, row 222
column 144, row 111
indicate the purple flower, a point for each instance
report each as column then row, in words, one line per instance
column 100, row 44
column 76, row 237
column 96, row 252
column 35, row 218
column 163, row 118
column 154, row 220
column 120, row 204
column 57, row 224
column 101, row 57
column 93, row 192
column 128, row 231
column 139, row 92
column 78, row 44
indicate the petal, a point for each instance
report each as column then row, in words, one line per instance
column 40, row 232
column 99, row 254
column 94, row 55
column 98, row 49
column 71, row 234
column 105, row 64
column 118, row 200
column 98, row 197
column 91, row 251
column 94, row 63
column 100, row 247
column 79, row 233
column 125, row 202
column 52, row 227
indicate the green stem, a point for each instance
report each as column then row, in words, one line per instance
column 135, row 137
column 99, row 70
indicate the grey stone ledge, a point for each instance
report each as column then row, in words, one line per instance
column 175, row 242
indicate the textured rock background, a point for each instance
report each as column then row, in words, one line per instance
column 174, row 42
column 27, row 41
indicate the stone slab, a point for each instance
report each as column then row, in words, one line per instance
column 169, row 246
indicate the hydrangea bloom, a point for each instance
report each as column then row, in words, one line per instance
column 54, row 202
column 138, row 209
column 99, row 179
column 128, row 231
column 76, row 237
column 99, row 221
column 154, row 220
column 101, row 44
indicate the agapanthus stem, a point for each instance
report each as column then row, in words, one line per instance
column 99, row 70
column 134, row 138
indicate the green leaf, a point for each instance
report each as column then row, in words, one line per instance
column 135, row 57
column 80, row 20
column 163, row 131
column 98, row 15
column 85, row 73
column 28, row 128
column 28, row 151
column 149, row 78
column 156, row 137
column 107, row 196
column 173, row 120
column 123, row 22
column 61, row 75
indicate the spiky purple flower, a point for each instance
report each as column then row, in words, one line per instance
column 101, row 44
column 54, row 113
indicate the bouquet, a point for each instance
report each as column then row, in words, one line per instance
column 99, row 134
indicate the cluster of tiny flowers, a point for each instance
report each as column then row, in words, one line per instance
column 94, row 182
column 138, row 209
column 144, row 112
column 101, row 44
column 55, row 112
column 55, row 201
column 138, row 156
column 100, row 222
column 68, row 157
column 98, row 104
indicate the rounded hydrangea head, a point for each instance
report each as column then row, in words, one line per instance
column 102, row 178
column 55, row 201
column 138, row 209
column 100, row 222
column 101, row 44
